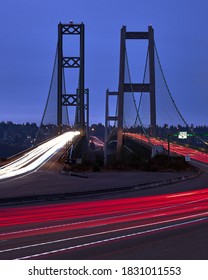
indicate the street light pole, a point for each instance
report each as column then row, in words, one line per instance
column 169, row 145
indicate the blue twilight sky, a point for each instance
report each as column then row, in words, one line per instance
column 28, row 32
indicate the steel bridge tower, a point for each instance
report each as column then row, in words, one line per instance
column 134, row 87
column 80, row 99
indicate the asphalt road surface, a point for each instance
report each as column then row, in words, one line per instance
column 170, row 226
column 164, row 222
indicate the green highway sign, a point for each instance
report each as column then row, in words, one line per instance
column 184, row 134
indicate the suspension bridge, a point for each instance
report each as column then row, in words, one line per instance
column 137, row 113
column 137, row 220
column 143, row 107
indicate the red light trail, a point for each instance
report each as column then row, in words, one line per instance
column 174, row 148
column 41, row 231
column 78, row 225
column 144, row 211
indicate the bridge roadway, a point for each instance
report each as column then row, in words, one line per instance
column 34, row 158
column 150, row 222
column 174, row 148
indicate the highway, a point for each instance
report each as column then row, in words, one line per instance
column 35, row 158
column 174, row 148
column 108, row 228
column 168, row 222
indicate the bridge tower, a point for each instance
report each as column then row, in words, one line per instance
column 134, row 87
column 81, row 97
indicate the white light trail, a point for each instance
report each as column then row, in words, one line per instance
column 35, row 158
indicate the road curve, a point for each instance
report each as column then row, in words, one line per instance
column 160, row 226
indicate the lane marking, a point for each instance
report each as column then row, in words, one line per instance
column 104, row 232
column 106, row 218
column 111, row 239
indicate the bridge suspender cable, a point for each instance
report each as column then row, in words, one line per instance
column 134, row 100
column 171, row 97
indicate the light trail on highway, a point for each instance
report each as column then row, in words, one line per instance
column 174, row 148
column 162, row 225
column 41, row 231
column 33, row 159
column 98, row 142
